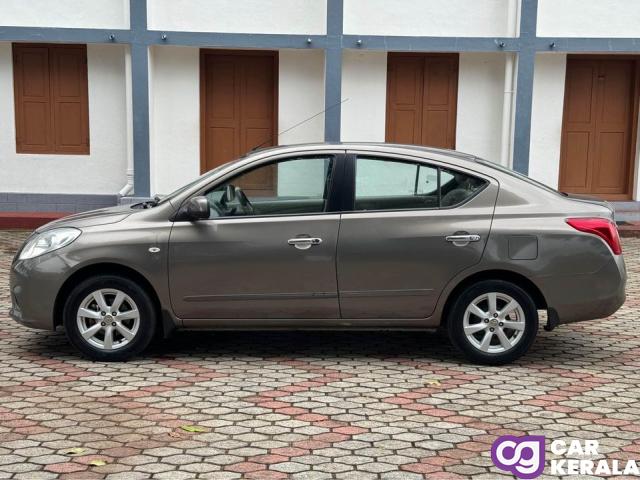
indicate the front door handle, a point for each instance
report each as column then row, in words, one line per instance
column 304, row 243
column 462, row 240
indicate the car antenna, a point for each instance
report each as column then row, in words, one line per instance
column 302, row 122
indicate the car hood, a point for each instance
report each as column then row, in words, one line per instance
column 91, row 218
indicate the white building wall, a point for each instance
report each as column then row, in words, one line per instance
column 546, row 118
column 100, row 172
column 364, row 91
column 175, row 117
column 65, row 13
column 300, row 96
column 480, row 97
column 588, row 18
column 468, row 18
column 174, row 80
column 305, row 17
column 175, row 109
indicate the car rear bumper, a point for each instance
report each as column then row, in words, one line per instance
column 576, row 298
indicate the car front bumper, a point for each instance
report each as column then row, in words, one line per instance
column 34, row 285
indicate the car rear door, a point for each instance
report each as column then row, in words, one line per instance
column 412, row 227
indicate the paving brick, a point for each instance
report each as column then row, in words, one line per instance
column 316, row 405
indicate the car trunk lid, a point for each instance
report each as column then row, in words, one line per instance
column 591, row 200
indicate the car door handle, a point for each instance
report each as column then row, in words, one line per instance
column 303, row 243
column 462, row 240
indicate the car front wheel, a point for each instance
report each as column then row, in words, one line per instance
column 493, row 322
column 109, row 318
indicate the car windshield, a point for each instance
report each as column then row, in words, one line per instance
column 519, row 175
column 166, row 198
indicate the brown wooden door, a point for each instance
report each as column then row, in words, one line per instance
column 598, row 127
column 422, row 93
column 239, row 110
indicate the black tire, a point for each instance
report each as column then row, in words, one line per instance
column 455, row 322
column 147, row 317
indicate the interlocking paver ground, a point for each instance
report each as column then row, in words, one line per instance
column 309, row 404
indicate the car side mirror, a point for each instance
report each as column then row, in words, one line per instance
column 197, row 208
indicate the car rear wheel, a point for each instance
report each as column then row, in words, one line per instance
column 109, row 318
column 493, row 322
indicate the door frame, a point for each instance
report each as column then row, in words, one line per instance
column 633, row 138
column 204, row 53
column 452, row 55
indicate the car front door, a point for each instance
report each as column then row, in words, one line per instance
column 267, row 250
column 412, row 228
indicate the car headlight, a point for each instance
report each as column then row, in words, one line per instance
column 48, row 241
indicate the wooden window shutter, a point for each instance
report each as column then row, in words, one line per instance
column 34, row 132
column 52, row 108
column 69, row 98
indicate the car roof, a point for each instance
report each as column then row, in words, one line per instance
column 376, row 146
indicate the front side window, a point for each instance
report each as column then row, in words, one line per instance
column 383, row 184
column 288, row 187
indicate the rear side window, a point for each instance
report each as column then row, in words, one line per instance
column 457, row 187
column 383, row 184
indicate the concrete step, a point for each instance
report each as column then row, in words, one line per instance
column 627, row 216
column 626, row 206
column 627, row 211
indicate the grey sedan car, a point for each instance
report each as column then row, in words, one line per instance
column 344, row 236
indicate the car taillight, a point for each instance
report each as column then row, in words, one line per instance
column 602, row 227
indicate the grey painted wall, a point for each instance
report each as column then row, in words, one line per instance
column 46, row 202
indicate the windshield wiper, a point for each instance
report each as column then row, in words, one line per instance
column 153, row 202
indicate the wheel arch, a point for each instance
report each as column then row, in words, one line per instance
column 506, row 275
column 101, row 269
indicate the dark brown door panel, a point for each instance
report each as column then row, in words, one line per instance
column 239, row 109
column 599, row 122
column 422, row 92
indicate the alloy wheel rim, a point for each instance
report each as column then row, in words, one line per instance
column 494, row 322
column 108, row 319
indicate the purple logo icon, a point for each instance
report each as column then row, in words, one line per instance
column 522, row 456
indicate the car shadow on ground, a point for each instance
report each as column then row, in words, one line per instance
column 422, row 346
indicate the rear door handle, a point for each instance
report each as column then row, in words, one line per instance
column 462, row 240
column 304, row 243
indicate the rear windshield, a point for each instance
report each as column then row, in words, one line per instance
column 519, row 175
